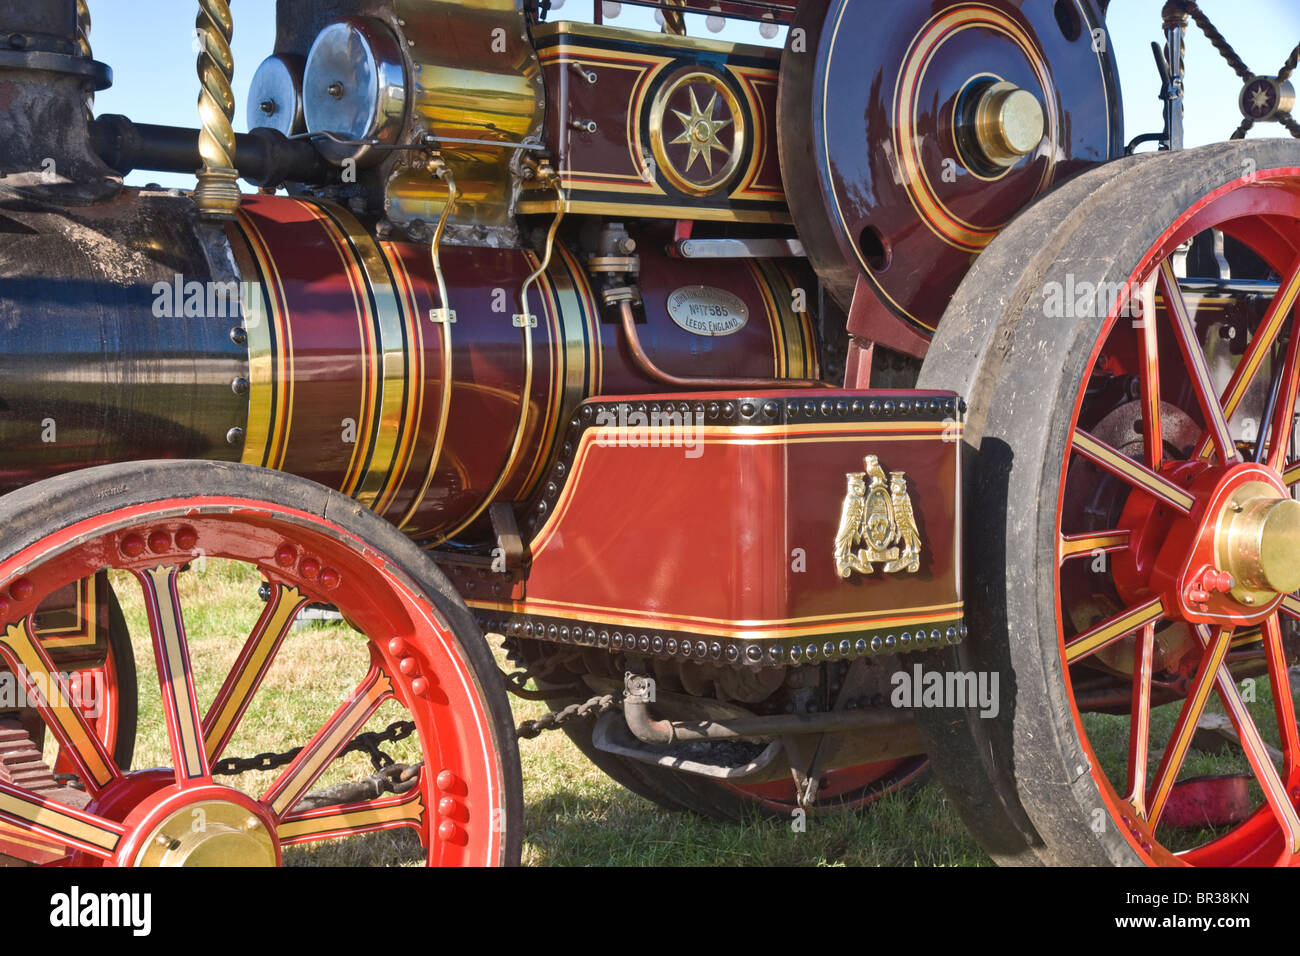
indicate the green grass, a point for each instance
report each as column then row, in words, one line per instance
column 575, row 815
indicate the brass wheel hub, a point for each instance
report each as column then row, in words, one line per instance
column 209, row 833
column 1257, row 541
column 1008, row 124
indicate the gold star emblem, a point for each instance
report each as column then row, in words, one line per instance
column 1260, row 98
column 700, row 131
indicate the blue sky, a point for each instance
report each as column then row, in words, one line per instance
column 149, row 45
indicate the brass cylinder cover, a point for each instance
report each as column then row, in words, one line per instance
column 210, row 833
column 1259, row 542
column 1009, row 123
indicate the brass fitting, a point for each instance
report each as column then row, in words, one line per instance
column 83, row 49
column 217, row 194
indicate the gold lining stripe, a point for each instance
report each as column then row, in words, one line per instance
column 387, row 372
column 87, row 621
column 748, row 79
column 583, row 207
column 759, row 628
column 379, row 815
column 251, row 666
column 1072, row 546
column 1136, row 474
column 63, row 824
column 28, row 660
column 414, row 411
column 270, row 357
column 346, row 722
column 1292, row 474
column 180, row 703
column 749, row 435
column 1112, row 629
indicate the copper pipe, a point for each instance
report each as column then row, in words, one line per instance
column 647, row 365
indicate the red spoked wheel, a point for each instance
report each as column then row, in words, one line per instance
column 1147, row 536
column 415, row 650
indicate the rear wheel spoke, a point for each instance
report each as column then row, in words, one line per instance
column 1090, row 545
column 1149, row 379
column 1283, row 700
column 1259, row 348
column 1135, row 473
column 1189, row 344
column 1139, row 744
column 1275, row 789
column 1113, row 629
column 1171, row 764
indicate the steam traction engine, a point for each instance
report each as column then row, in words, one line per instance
column 652, row 353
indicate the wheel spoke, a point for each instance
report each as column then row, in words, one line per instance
column 1279, row 436
column 1113, row 629
column 1292, row 474
column 1139, row 733
column 346, row 722
column 1290, row 606
column 1259, row 348
column 1194, row 358
column 1275, row 791
column 1136, row 474
column 250, row 668
column 1089, row 545
column 386, row 813
column 1181, row 739
column 1283, row 700
column 26, row 658
column 1149, row 378
column 64, row 825
column 175, row 678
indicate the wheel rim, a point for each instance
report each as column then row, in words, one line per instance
column 1162, row 523
column 456, row 806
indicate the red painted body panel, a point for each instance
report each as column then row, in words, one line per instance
column 723, row 529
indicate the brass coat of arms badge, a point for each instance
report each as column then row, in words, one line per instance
column 877, row 524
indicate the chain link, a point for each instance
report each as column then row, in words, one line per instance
column 556, row 719
column 367, row 743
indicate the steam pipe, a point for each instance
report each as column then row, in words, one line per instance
column 265, row 157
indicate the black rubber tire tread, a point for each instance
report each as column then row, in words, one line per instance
column 1021, row 782
column 39, row 510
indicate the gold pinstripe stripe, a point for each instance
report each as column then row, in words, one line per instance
column 409, row 811
column 174, row 666
column 58, row 821
column 250, row 668
column 271, row 359
column 1074, row 545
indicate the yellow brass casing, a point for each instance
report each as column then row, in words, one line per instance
column 474, row 75
column 210, row 833
column 1257, row 541
column 1009, row 123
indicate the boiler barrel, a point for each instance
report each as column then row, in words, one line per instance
column 293, row 339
